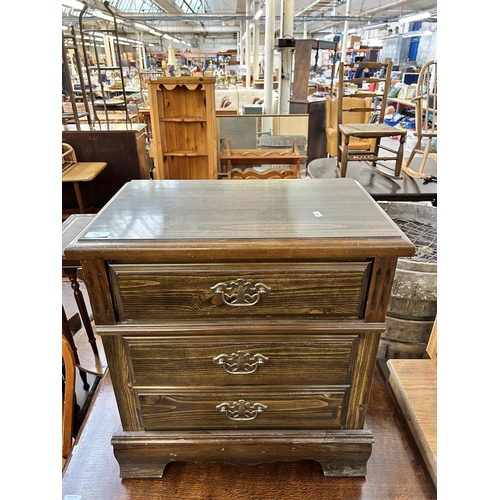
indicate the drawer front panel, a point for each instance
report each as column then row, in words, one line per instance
column 152, row 293
column 160, row 362
column 255, row 410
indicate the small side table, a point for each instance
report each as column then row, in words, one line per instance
column 82, row 172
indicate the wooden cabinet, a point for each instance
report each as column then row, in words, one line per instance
column 183, row 127
column 304, row 51
column 248, row 337
column 122, row 146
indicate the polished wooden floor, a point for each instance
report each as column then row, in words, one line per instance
column 395, row 469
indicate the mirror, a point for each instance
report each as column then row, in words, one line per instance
column 246, row 130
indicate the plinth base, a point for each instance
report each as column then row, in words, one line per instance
column 340, row 452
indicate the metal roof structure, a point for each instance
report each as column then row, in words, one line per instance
column 224, row 19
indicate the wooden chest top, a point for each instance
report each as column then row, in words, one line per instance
column 264, row 219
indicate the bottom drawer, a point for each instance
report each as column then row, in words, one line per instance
column 253, row 410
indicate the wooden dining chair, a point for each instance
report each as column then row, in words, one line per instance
column 376, row 128
column 68, row 399
column 425, row 119
column 331, row 128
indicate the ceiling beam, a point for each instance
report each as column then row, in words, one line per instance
column 235, row 17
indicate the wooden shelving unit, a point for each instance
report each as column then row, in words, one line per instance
column 183, row 127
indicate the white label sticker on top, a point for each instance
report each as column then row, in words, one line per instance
column 318, row 214
column 97, row 234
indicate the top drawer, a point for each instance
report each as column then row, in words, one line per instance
column 151, row 293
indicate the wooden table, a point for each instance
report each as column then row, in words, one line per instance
column 395, row 469
column 414, row 384
column 82, row 172
column 379, row 187
column 122, row 146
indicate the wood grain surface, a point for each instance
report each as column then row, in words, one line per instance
column 394, row 471
column 414, row 383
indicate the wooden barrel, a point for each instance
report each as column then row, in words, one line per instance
column 413, row 303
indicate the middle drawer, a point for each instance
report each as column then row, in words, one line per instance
column 163, row 362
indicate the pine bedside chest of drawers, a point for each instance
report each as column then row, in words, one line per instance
column 241, row 320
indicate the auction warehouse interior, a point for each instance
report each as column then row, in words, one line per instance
column 249, row 249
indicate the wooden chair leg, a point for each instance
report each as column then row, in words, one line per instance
column 424, row 157
column 345, row 157
column 339, row 149
column 297, row 169
column 83, row 376
column 400, row 156
column 376, row 150
column 406, row 165
column 82, row 308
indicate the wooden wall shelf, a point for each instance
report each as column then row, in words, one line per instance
column 183, row 127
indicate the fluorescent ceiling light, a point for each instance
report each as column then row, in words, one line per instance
column 375, row 26
column 75, row 4
column 154, row 32
column 308, row 7
column 258, row 14
column 415, row 17
column 102, row 15
column 141, row 26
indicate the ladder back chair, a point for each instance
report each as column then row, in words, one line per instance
column 376, row 129
column 68, row 399
column 331, row 128
column 425, row 118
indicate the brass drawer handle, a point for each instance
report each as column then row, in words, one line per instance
column 241, row 410
column 240, row 293
column 240, row 362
